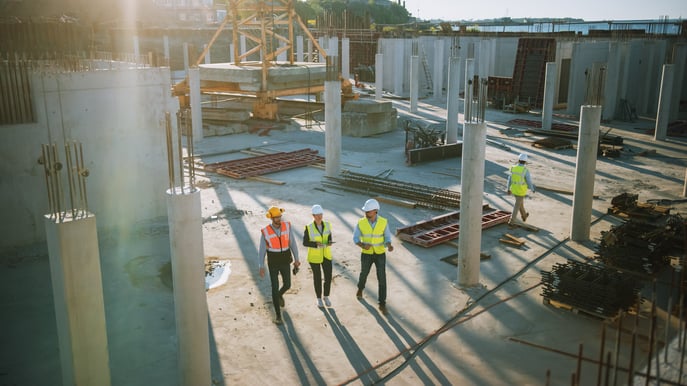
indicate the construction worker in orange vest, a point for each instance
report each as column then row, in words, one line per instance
column 276, row 241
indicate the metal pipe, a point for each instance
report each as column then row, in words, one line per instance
column 57, row 166
column 189, row 154
column 44, row 161
column 181, row 160
column 70, row 176
column 631, row 373
column 601, row 353
column 669, row 312
column 617, row 347
column 579, row 364
column 83, row 173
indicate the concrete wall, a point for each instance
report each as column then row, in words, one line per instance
column 118, row 116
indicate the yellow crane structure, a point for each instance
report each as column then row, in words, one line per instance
column 262, row 22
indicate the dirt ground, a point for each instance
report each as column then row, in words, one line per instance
column 497, row 333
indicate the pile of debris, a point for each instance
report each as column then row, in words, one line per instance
column 626, row 206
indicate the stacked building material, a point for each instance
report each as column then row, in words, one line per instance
column 641, row 246
column 593, row 289
column 424, row 196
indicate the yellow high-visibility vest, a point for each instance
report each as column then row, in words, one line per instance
column 374, row 237
column 317, row 255
column 518, row 185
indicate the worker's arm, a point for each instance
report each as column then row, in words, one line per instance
column 262, row 251
column 293, row 247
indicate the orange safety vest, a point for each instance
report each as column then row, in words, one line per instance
column 274, row 242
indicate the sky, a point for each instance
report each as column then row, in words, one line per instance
column 590, row 10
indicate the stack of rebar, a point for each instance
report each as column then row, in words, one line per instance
column 639, row 246
column 592, row 288
column 422, row 195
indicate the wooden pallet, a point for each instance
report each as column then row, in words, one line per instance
column 578, row 311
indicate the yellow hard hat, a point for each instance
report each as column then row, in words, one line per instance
column 273, row 211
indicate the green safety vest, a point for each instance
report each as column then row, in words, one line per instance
column 518, row 185
column 374, row 237
column 317, row 255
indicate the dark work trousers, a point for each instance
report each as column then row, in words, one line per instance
column 379, row 260
column 317, row 269
column 276, row 268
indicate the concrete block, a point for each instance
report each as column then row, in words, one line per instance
column 356, row 124
column 368, row 106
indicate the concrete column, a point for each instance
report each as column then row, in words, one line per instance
column 414, row 80
column 195, row 99
column 379, row 76
column 399, row 64
column 333, row 47
column 332, row 124
column 612, row 78
column 282, row 57
column 346, row 58
column 438, row 74
column 664, row 103
column 207, row 54
column 646, row 102
column 137, row 49
column 471, row 191
column 231, row 53
column 679, row 64
column 78, row 296
column 321, row 42
column 188, row 275
column 310, row 51
column 186, row 60
column 583, row 192
column 242, row 46
column 453, row 100
column 165, row 44
column 299, row 48
column 549, row 91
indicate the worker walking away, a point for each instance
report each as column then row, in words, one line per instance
column 373, row 236
column 318, row 238
column 519, row 180
column 276, row 241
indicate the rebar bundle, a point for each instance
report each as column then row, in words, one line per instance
column 422, row 195
column 592, row 288
column 639, row 246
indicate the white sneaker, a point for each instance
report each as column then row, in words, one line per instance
column 319, row 303
column 327, row 302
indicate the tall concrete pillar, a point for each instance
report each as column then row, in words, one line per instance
column 646, row 98
column 664, row 103
column 452, row 100
column 208, row 60
column 679, row 73
column 299, row 48
column 310, row 51
column 137, row 49
column 231, row 53
column 414, row 82
column 438, row 75
column 583, row 192
column 346, row 58
column 282, row 57
column 165, row 45
column 188, row 275
column 186, row 60
column 78, row 297
column 613, row 71
column 242, row 46
column 321, row 42
column 379, row 76
column 195, row 100
column 399, row 65
column 549, row 91
column 471, row 191
column 332, row 121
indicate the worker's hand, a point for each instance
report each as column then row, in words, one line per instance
column 509, row 192
column 320, row 245
column 297, row 263
column 366, row 246
column 390, row 248
column 262, row 272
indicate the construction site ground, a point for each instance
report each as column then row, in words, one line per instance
column 500, row 332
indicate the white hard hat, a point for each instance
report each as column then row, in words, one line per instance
column 317, row 209
column 522, row 157
column 370, row 204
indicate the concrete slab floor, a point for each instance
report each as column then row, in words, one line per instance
column 499, row 333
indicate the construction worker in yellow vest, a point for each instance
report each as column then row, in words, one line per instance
column 276, row 241
column 318, row 238
column 519, row 181
column 373, row 236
